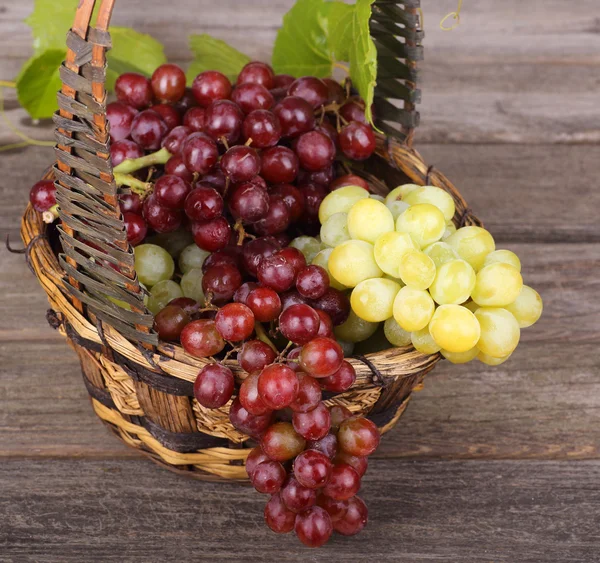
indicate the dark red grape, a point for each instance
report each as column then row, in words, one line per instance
column 354, row 519
column 338, row 413
column 260, row 182
column 321, row 357
column 335, row 508
column 220, row 258
column 341, row 380
column 168, row 83
column 134, row 89
column 312, row 469
column 277, row 219
column 257, row 73
column 357, row 141
column 293, row 198
column 221, row 282
column 327, row 445
column 279, row 165
column 293, row 257
column 268, row 477
column 344, row 482
column 349, row 180
column 247, row 423
column 171, row 191
column 275, row 272
column 336, row 304
column 130, row 203
column 120, row 117
column 264, row 303
column 216, row 179
column 214, row 386
column 326, row 326
column 212, row 235
column 312, row 282
column 187, row 101
column 240, row 164
column 148, row 130
column 315, row 150
column 235, row 322
column 263, row 128
column 299, row 323
column 255, row 355
column 314, row 194
column 335, row 91
column 354, row 110
column 313, row 527
column 278, row 386
column 255, row 251
column 283, row 81
column 43, row 195
column 314, row 424
column 136, row 228
column 170, row 322
column 309, row 393
column 176, row 166
column 278, row 517
column 252, row 97
column 169, row 115
column 160, row 218
column 124, row 150
column 175, row 140
column 190, row 306
column 295, row 116
column 360, row 464
column 311, row 89
column 211, row 86
column 204, row 203
column 296, row 497
column 223, row 121
column 200, row 153
column 249, row 203
column 194, row 119
column 255, row 457
column 281, row 442
column 290, row 298
column 250, row 398
column 358, row 436
column 201, row 339
column 322, row 177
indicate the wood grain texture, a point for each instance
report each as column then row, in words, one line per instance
column 462, row 511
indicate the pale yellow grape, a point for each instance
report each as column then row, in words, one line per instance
column 369, row 219
column 309, row 246
column 416, row 269
column 527, row 308
column 472, row 244
column 192, row 257
column 322, row 259
column 453, row 283
column 424, row 222
column 335, row 230
column 397, row 207
column 413, row 308
column 394, row 279
column 353, row 261
column 341, row 201
column 423, row 342
column 440, row 253
column 400, row 192
column 355, row 329
column 490, row 360
column 450, row 230
column 153, row 264
column 377, row 197
column 497, row 285
column 347, row 347
column 373, row 299
column 436, row 196
column 191, row 285
column 395, row 334
column 505, row 256
column 389, row 249
column 461, row 357
column 454, row 328
column 500, row 332
column 162, row 294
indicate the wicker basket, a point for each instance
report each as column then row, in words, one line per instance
column 141, row 388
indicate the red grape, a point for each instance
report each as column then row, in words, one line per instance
column 257, row 73
column 278, row 517
column 299, row 323
column 312, row 469
column 281, row 442
column 187, row 101
column 240, row 164
column 200, row 153
column 360, row 464
column 293, row 257
column 358, row 436
column 176, row 166
column 223, row 121
column 321, row 357
column 335, row 508
column 255, row 355
column 327, row 445
column 169, row 115
column 211, row 86
column 268, row 477
column 134, row 89
column 279, row 165
column 160, row 218
column 204, row 203
column 120, row 117
column 276, row 273
column 295, row 116
column 221, row 258
column 314, row 424
column 190, row 306
column 336, row 304
column 344, row 482
column 335, row 91
column 315, row 150
column 171, row 191
column 246, row 423
column 263, row 128
column 292, row 362
column 221, row 282
column 349, row 180
column 214, row 386
column 170, row 322
column 212, row 235
column 357, row 141
column 296, row 497
column 235, row 322
column 249, row 203
column 255, row 251
column 338, row 415
column 148, row 130
column 326, row 326
column 264, row 303
column 278, row 386
column 311, row 89
column 277, row 219
column 201, row 339
column 290, row 298
column 354, row 519
column 168, row 83
column 250, row 398
column 242, row 293
column 309, row 394
column 175, row 140
column 341, row 380
column 124, row 150
column 354, row 110
column 283, row 81
column 43, row 195
column 313, row 527
column 293, row 198
column 255, row 457
column 251, row 97
column 130, row 203
column 314, row 194
column 136, row 228
column 312, row 282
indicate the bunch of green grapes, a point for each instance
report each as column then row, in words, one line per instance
column 435, row 287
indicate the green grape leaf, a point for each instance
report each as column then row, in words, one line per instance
column 39, row 82
column 363, row 56
column 302, row 47
column 213, row 54
column 339, row 18
column 50, row 21
column 132, row 52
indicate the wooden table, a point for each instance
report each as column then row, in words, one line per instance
column 488, row 464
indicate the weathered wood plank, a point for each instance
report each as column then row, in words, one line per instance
column 61, row 511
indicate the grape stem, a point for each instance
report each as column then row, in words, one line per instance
column 134, row 164
column 141, row 188
column 284, row 351
column 50, row 215
column 262, row 335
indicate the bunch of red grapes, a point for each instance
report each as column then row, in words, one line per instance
column 245, row 169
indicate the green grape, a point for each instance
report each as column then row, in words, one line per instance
column 461, row 357
column 400, row 192
column 309, row 246
column 505, row 256
column 395, row 334
column 413, row 308
column 435, row 196
column 397, row 207
column 423, row 342
column 191, row 284
column 369, row 219
column 347, row 347
column 355, row 329
column 153, row 264
column 453, row 283
column 450, row 230
column 174, row 242
column 162, row 294
column 378, row 198
column 389, row 249
column 192, row 257
column 416, row 269
column 373, row 299
column 440, row 253
column 374, row 344
column 500, row 332
column 472, row 244
column 322, row 259
column 497, row 285
column 527, row 308
column 352, row 262
column 341, row 201
column 454, row 328
column 424, row 222
column 490, row 360
column 335, row 230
